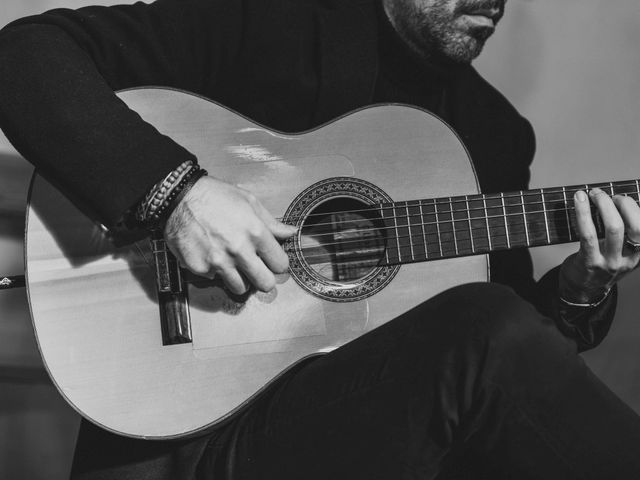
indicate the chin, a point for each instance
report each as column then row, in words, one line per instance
column 464, row 45
column 463, row 49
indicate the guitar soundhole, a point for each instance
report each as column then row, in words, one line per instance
column 343, row 239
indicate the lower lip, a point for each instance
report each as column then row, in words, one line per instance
column 479, row 20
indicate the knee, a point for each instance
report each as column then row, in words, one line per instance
column 494, row 318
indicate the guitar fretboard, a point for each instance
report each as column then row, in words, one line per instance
column 447, row 227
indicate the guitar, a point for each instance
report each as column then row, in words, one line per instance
column 146, row 350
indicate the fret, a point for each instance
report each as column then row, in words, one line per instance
column 515, row 220
column 435, row 209
column 504, row 215
column 524, row 217
column 395, row 227
column 624, row 188
column 424, row 233
column 445, row 227
column 466, row 201
column 391, row 252
column 546, row 218
column 410, row 235
column 418, row 247
column 461, row 226
column 556, row 216
column 486, row 218
column 479, row 231
column 429, row 219
column 638, row 190
column 453, row 227
column 535, row 212
column 496, row 221
column 405, row 252
column 566, row 212
column 594, row 212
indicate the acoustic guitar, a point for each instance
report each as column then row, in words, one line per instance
column 389, row 214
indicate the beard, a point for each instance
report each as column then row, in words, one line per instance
column 435, row 30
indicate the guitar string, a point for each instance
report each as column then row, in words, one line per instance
column 469, row 199
column 410, row 216
column 380, row 255
column 426, row 243
column 444, row 212
column 454, row 223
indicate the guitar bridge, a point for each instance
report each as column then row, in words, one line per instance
column 175, row 321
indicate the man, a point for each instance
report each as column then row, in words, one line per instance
column 475, row 379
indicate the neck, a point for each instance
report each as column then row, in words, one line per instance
column 448, row 227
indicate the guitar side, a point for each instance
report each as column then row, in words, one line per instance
column 94, row 307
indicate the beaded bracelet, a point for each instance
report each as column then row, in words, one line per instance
column 156, row 196
column 176, row 194
column 180, row 192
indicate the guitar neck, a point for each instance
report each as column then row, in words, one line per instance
column 447, row 227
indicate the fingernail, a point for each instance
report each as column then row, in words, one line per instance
column 580, row 196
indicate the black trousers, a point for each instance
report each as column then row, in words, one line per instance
column 473, row 383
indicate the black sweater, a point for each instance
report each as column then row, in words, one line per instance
column 288, row 64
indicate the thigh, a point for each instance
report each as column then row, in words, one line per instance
column 101, row 455
column 383, row 406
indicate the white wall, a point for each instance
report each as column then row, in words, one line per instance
column 570, row 66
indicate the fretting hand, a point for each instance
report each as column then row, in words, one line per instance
column 599, row 264
column 218, row 229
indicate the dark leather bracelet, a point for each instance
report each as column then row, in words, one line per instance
column 177, row 194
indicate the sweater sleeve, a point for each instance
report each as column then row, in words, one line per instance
column 588, row 326
column 58, row 72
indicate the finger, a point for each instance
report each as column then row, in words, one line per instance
column 257, row 273
column 279, row 230
column 612, row 222
column 232, row 279
column 586, row 229
column 272, row 254
column 630, row 213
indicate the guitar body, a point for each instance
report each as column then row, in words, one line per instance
column 95, row 307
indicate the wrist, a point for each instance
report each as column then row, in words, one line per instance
column 164, row 197
column 584, row 300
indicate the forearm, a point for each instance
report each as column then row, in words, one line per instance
column 61, row 114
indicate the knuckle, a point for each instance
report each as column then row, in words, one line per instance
column 589, row 239
column 235, row 249
column 215, row 260
column 614, row 228
column 613, row 267
column 257, row 230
